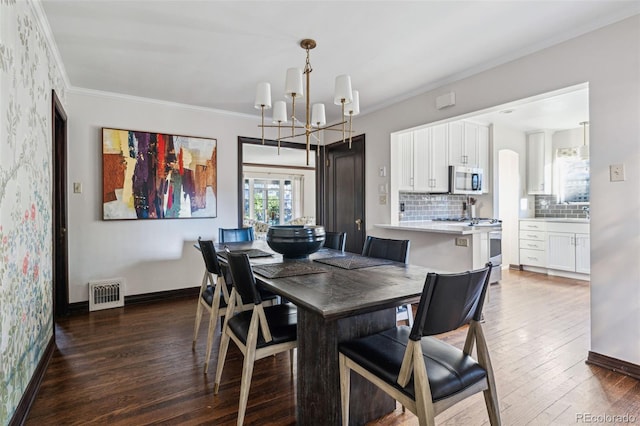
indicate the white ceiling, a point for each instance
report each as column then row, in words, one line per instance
column 212, row 53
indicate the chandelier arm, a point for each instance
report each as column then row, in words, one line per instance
column 307, row 71
column 262, row 113
column 276, row 126
column 343, row 123
column 350, row 129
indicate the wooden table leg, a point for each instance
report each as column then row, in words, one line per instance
column 318, row 387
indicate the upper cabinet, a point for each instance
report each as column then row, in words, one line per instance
column 469, row 146
column 420, row 160
column 431, row 164
column 422, row 157
column 402, row 157
column 539, row 163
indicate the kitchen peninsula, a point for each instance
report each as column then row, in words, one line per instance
column 453, row 246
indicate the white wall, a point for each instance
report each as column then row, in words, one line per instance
column 151, row 255
column 609, row 60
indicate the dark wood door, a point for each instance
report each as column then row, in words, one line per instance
column 344, row 191
column 60, row 243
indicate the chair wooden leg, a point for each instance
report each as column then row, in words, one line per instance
column 345, row 389
column 247, row 367
column 196, row 326
column 222, row 355
column 245, row 384
column 424, row 402
column 490, row 394
column 212, row 327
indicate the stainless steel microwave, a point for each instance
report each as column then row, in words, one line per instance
column 465, row 180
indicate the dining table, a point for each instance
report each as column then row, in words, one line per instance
column 339, row 296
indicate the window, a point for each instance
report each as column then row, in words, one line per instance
column 274, row 200
column 572, row 175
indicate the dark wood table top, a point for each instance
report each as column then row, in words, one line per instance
column 338, row 292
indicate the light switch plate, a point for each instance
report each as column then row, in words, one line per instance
column 616, row 173
column 382, row 171
column 382, row 199
column 77, row 187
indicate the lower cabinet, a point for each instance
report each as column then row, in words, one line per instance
column 556, row 246
column 533, row 243
column 583, row 253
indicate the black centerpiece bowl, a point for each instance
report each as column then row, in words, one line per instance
column 295, row 241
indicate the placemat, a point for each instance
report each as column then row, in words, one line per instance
column 281, row 270
column 252, row 253
column 353, row 262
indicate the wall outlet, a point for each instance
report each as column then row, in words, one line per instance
column 382, row 199
column 462, row 242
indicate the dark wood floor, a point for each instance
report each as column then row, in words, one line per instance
column 134, row 366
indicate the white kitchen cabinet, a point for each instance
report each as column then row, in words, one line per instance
column 403, row 160
column 561, row 250
column 469, row 146
column 483, row 156
column 421, row 160
column 569, row 252
column 556, row 247
column 583, row 253
column 437, row 160
column 533, row 243
column 463, row 144
column 539, row 163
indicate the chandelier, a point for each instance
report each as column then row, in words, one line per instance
column 315, row 119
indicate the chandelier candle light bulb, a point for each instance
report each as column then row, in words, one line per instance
column 353, row 109
column 279, row 117
column 263, row 101
column 315, row 118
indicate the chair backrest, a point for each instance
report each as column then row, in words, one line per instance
column 335, row 240
column 210, row 256
column 384, row 248
column 233, row 235
column 244, row 281
column 450, row 301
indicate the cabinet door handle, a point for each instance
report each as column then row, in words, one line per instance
column 359, row 223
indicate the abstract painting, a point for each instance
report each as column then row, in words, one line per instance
column 157, row 176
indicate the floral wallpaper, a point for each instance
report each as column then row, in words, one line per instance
column 28, row 73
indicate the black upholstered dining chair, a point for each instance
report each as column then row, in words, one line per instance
column 396, row 250
column 214, row 295
column 233, row 235
column 423, row 373
column 258, row 333
column 335, row 240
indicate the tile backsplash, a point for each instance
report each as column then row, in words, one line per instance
column 548, row 206
column 425, row 206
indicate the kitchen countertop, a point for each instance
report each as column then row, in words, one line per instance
column 557, row 219
column 439, row 227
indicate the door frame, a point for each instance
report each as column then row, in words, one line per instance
column 60, row 259
column 269, row 142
